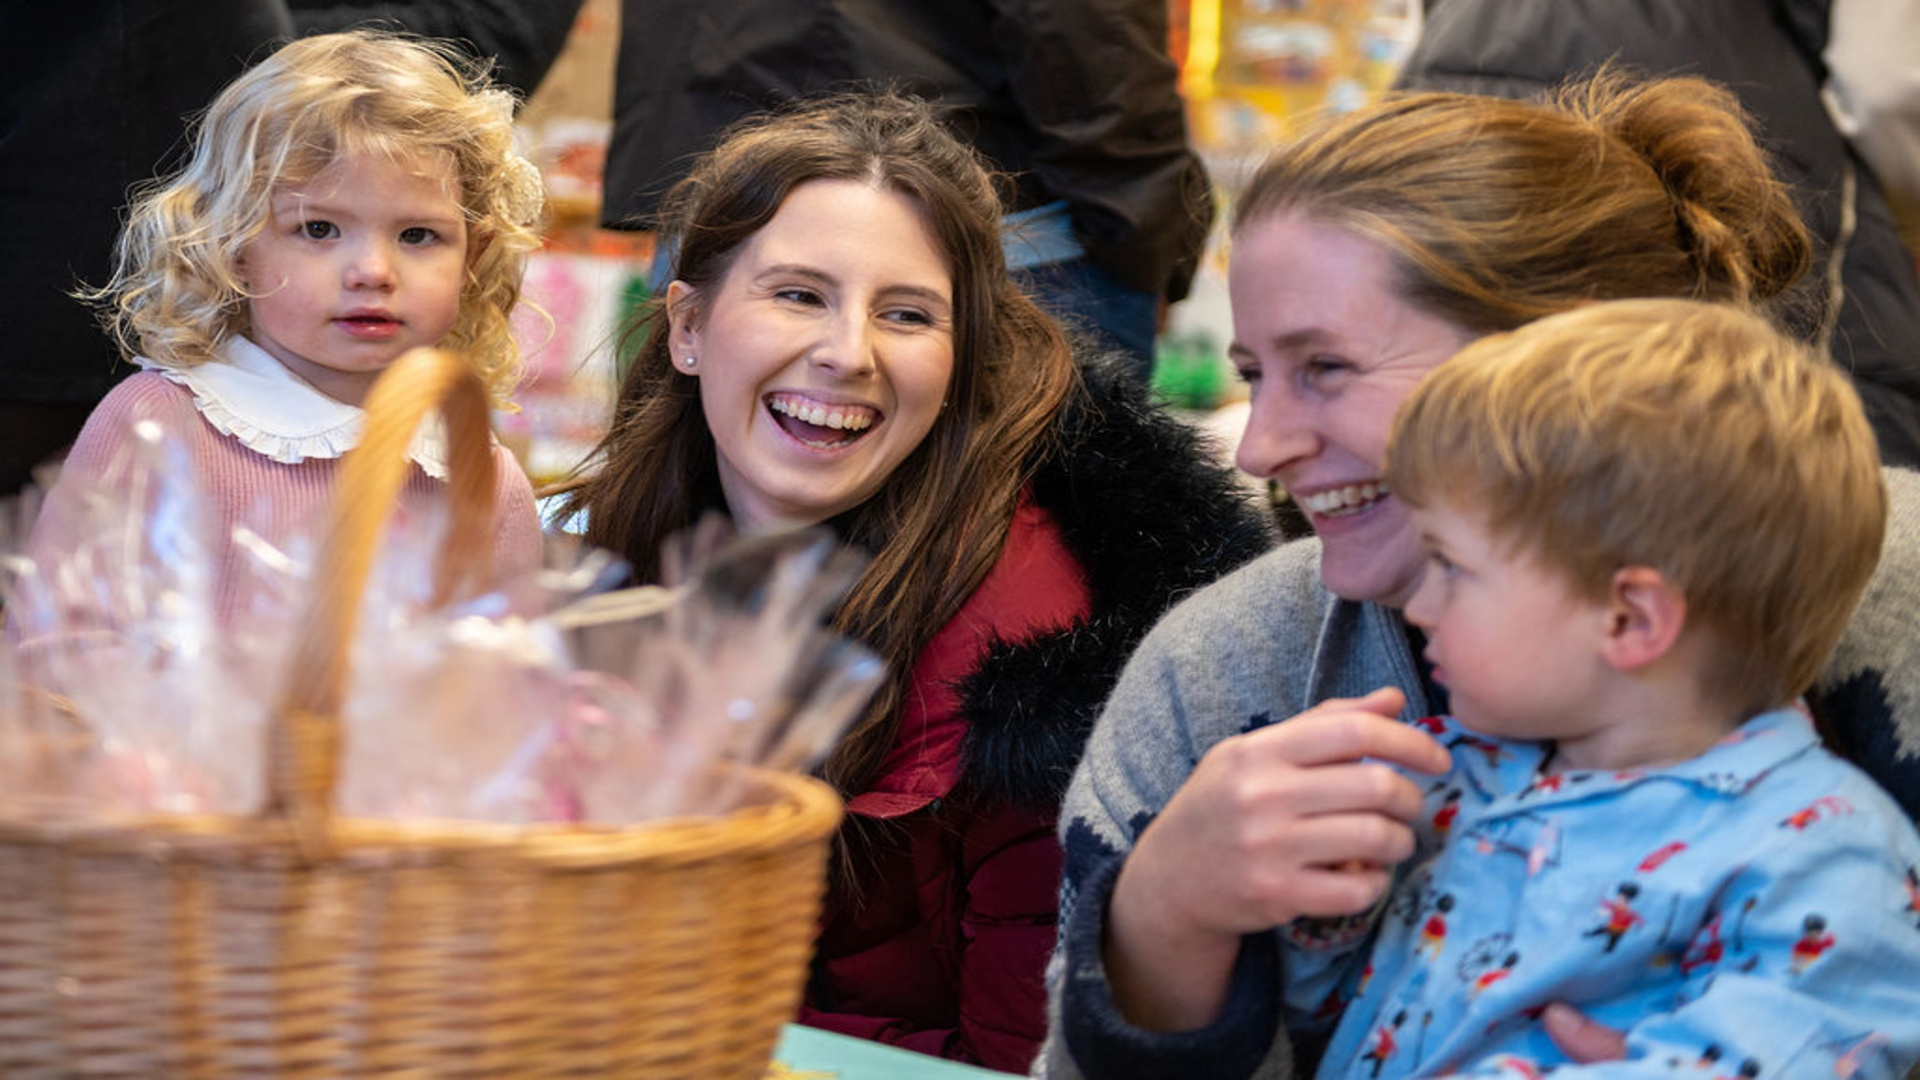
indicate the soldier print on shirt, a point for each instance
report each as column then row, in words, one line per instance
column 1620, row 917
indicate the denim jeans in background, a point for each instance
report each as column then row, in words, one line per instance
column 1048, row 261
column 1084, row 296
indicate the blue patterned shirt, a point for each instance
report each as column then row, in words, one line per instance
column 1753, row 912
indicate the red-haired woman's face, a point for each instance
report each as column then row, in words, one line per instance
column 1329, row 349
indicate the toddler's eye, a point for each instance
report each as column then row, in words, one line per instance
column 319, row 230
column 419, row 234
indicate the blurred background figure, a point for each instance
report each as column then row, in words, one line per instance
column 1873, row 60
column 1076, row 100
column 92, row 100
column 1784, row 58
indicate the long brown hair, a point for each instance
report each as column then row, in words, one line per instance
column 938, row 524
column 1499, row 212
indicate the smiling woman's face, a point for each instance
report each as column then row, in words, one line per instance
column 823, row 354
column 1329, row 350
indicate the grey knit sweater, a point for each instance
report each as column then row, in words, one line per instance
column 1269, row 641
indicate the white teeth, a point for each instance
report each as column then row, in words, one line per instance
column 1335, row 501
column 854, row 418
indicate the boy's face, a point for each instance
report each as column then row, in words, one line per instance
column 1519, row 653
column 357, row 266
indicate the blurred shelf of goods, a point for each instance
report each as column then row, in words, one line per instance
column 587, row 282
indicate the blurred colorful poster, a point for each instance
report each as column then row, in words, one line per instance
column 1253, row 68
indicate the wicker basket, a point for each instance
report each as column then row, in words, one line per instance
column 298, row 944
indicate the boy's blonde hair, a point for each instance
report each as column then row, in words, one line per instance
column 176, row 294
column 1686, row 436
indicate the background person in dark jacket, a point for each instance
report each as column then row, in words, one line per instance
column 1862, row 298
column 521, row 37
column 1077, row 100
column 92, row 98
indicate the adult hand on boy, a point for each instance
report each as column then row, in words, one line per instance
column 1302, row 818
column 1583, row 1040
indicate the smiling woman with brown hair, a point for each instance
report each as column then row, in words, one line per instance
column 841, row 344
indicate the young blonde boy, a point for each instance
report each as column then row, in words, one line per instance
column 1646, row 524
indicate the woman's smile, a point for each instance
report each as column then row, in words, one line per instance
column 1342, row 501
column 821, row 424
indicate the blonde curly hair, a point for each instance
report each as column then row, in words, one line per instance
column 176, row 294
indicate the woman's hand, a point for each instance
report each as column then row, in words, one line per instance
column 1582, row 1040
column 1281, row 822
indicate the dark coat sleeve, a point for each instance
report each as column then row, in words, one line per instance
column 1104, row 1044
column 521, row 37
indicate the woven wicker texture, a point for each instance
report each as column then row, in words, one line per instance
column 298, row 944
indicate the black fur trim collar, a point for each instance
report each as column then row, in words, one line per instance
column 1151, row 517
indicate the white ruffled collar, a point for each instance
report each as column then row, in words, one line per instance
column 250, row 396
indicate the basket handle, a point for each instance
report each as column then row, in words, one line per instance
column 303, row 740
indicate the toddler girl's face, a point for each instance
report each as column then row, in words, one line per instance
column 357, row 266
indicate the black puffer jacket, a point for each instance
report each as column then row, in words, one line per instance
column 1769, row 53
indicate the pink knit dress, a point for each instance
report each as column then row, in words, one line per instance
column 266, row 445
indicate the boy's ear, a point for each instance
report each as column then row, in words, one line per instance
column 1645, row 614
